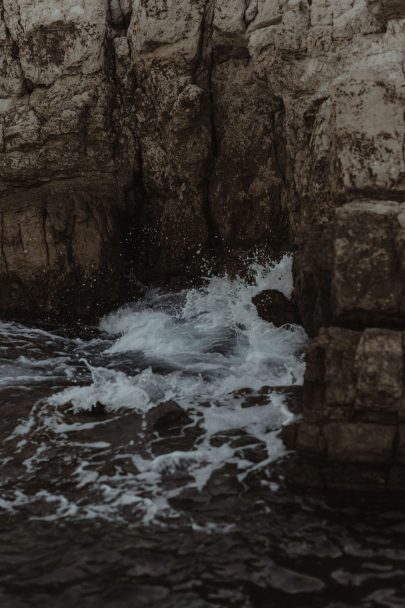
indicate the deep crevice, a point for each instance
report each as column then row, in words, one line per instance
column 203, row 71
column 44, row 229
column 3, row 253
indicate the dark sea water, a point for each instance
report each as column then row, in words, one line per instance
column 142, row 466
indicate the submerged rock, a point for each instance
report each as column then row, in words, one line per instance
column 98, row 409
column 275, row 308
column 167, row 417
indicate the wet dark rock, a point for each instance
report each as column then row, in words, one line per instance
column 294, row 398
column 359, row 442
column 275, row 308
column 353, row 408
column 349, row 271
column 288, row 435
column 114, row 429
column 98, row 410
column 167, row 418
column 174, row 428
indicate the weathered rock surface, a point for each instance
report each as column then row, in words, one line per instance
column 274, row 307
column 67, row 157
column 176, row 129
column 138, row 138
column 165, row 418
column 354, row 409
column 356, row 274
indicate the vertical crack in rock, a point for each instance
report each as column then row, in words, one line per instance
column 111, row 67
column 279, row 144
column 3, row 253
column 278, row 128
column 84, row 122
column 127, row 153
column 251, row 12
column 13, row 45
column 203, row 71
column 20, row 237
column 213, row 128
column 69, row 243
column 45, row 235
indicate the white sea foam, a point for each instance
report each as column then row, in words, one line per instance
column 198, row 348
column 211, row 339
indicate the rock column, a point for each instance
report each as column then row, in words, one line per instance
column 353, row 429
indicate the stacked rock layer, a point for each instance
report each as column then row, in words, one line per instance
column 353, row 431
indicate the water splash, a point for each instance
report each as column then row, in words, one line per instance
column 208, row 342
column 200, row 352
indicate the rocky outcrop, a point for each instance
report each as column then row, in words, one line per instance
column 352, row 270
column 354, row 410
column 210, row 124
column 68, row 158
column 138, row 138
column 354, row 387
column 157, row 133
column 273, row 306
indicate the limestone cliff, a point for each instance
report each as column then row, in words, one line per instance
column 68, row 156
column 136, row 134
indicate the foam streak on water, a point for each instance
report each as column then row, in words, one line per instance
column 199, row 349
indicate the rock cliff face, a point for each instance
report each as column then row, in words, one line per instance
column 68, row 157
column 353, row 433
column 137, row 136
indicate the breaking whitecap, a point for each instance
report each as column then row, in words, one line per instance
column 196, row 360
